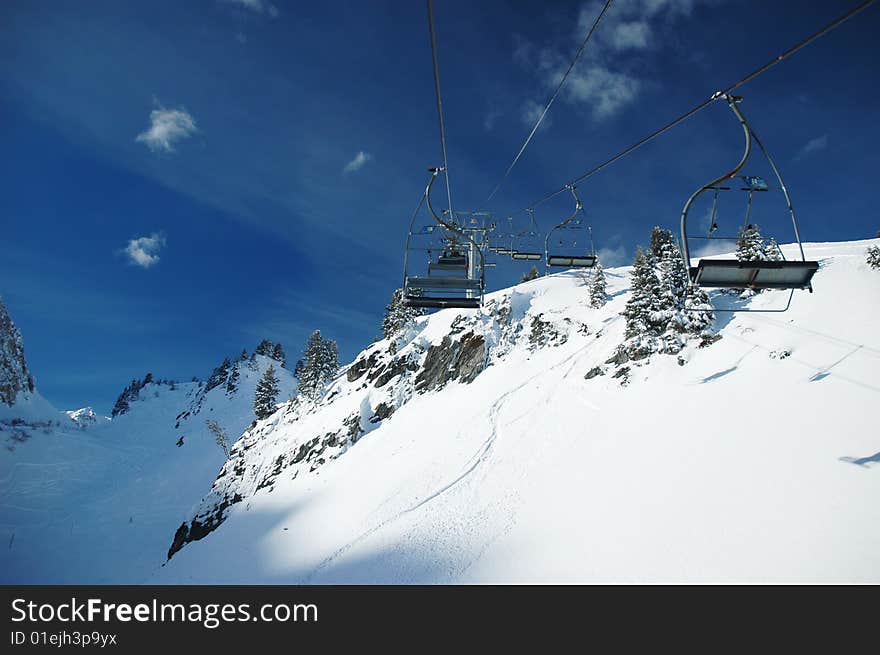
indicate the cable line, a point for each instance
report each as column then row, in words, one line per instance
column 552, row 99
column 439, row 103
column 715, row 96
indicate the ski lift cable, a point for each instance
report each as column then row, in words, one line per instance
column 552, row 99
column 715, row 96
column 439, row 103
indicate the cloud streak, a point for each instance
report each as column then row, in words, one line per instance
column 813, row 145
column 167, row 127
column 144, row 251
column 602, row 81
column 257, row 6
column 359, row 161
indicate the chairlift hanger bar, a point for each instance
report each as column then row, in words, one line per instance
column 715, row 96
column 439, row 102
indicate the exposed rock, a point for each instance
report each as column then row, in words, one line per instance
column 383, row 411
column 620, row 356
column 452, row 360
column 593, row 372
column 361, row 366
column 14, row 375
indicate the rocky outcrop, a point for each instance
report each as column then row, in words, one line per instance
column 452, row 359
column 14, row 375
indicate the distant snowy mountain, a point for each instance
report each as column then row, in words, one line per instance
column 99, row 501
column 86, row 417
column 515, row 443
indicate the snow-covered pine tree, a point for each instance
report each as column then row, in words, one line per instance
column 533, row 274
column 643, row 311
column 398, row 317
column 874, row 257
column 266, row 394
column 699, row 315
column 660, row 238
column 320, row 364
column 673, row 291
column 773, row 251
column 750, row 245
column 598, row 287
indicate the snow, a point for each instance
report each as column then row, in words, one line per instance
column 101, row 504
column 754, row 459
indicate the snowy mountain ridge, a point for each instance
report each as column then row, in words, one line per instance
column 464, row 438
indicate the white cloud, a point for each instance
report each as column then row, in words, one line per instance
column 144, row 251
column 813, row 145
column 632, row 35
column 358, row 162
column 603, row 80
column 167, row 126
column 257, row 6
column 605, row 90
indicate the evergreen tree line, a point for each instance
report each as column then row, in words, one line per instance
column 130, row 394
column 663, row 308
column 317, row 366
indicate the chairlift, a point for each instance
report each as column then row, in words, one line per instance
column 732, row 273
column 455, row 277
column 570, row 236
column 527, row 242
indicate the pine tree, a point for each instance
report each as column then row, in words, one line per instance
column 660, row 239
column 320, row 364
column 773, row 251
column 267, row 394
column 265, row 348
column 398, row 316
column 644, row 311
column 750, row 245
column 598, row 292
column 232, row 382
column 533, row 274
column 874, row 257
column 278, row 354
column 298, row 368
column 219, row 375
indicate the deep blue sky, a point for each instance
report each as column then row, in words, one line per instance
column 263, row 233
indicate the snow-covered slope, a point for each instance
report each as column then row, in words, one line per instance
column 98, row 503
column 507, row 445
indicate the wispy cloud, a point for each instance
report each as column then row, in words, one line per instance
column 358, row 162
column 813, row 145
column 167, row 127
column 257, row 6
column 144, row 251
column 531, row 112
column 603, row 80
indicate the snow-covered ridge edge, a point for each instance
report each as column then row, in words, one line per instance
column 452, row 346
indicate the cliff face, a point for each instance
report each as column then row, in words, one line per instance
column 15, row 378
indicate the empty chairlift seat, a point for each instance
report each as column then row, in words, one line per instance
column 572, row 261
column 527, row 256
column 733, row 274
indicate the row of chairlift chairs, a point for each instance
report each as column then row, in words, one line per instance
column 455, row 249
column 455, row 245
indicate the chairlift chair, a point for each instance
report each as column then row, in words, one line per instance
column 732, row 273
column 527, row 241
column 456, row 277
column 567, row 252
